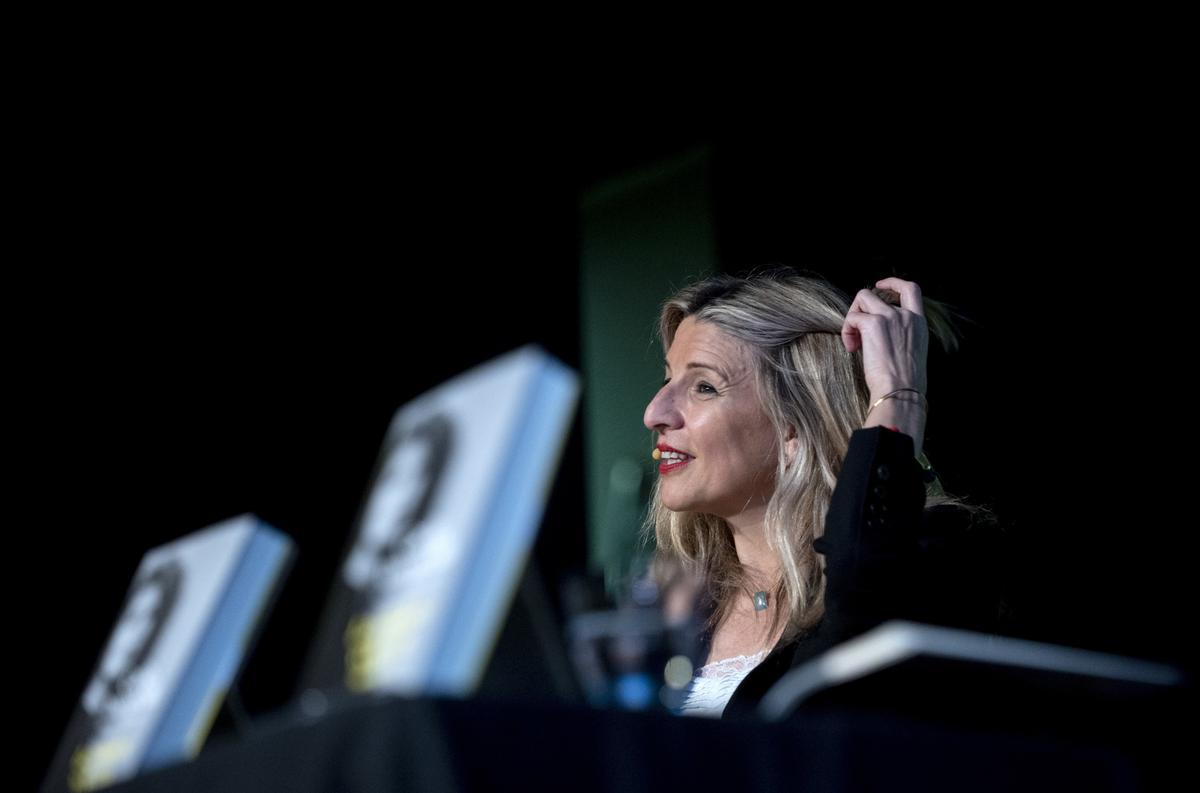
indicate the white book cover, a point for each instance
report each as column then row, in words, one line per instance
column 446, row 529
column 188, row 618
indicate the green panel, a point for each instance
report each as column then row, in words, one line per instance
column 643, row 235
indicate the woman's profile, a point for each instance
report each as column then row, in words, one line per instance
column 792, row 493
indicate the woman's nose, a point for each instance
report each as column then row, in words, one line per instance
column 661, row 413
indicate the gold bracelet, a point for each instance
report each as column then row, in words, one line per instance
column 924, row 402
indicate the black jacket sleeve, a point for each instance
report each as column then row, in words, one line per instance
column 887, row 557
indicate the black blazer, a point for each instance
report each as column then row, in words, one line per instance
column 888, row 557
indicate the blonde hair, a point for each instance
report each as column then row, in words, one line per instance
column 790, row 323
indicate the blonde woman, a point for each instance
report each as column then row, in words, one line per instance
column 791, row 481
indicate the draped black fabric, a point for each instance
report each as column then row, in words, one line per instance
column 449, row 745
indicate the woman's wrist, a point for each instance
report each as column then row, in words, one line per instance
column 901, row 414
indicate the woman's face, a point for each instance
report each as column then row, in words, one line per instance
column 709, row 409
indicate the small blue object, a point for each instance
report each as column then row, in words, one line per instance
column 634, row 691
column 760, row 601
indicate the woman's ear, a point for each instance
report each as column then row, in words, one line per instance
column 790, row 445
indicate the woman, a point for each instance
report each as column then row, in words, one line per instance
column 791, row 481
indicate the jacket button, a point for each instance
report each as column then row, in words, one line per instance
column 883, row 472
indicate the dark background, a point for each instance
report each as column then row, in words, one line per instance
column 225, row 303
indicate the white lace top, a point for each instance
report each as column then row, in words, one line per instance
column 713, row 685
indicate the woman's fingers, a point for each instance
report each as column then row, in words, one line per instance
column 909, row 291
column 867, row 303
column 893, row 339
column 851, row 334
column 866, row 308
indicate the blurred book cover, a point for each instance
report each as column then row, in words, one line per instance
column 445, row 531
column 189, row 617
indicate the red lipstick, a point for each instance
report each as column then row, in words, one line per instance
column 671, row 462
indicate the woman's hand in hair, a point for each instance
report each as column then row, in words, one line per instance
column 894, row 340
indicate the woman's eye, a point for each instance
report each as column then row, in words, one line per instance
column 702, row 388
